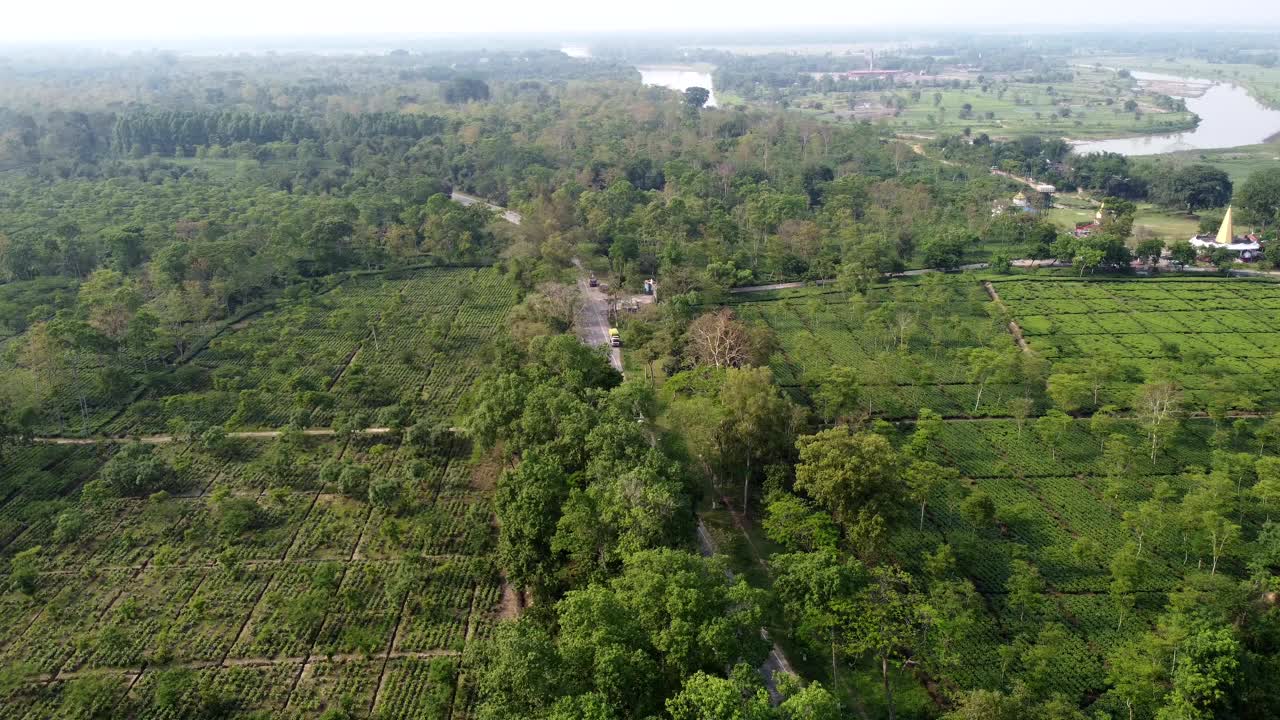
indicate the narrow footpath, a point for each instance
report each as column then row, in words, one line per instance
column 1164, row 265
column 162, row 439
column 776, row 662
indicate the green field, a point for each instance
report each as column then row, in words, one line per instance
column 1167, row 224
column 362, row 347
column 1225, row 326
column 1045, row 506
column 1238, row 162
column 1093, row 103
column 910, row 341
column 280, row 578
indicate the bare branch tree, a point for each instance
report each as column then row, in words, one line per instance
column 717, row 338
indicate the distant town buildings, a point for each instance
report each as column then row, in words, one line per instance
column 856, row 74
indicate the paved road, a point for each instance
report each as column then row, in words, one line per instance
column 510, row 216
column 593, row 318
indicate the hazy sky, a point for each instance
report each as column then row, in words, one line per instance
column 156, row 21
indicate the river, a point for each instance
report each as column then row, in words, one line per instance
column 1229, row 117
column 677, row 77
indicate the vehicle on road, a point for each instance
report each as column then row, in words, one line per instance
column 615, row 340
column 592, row 281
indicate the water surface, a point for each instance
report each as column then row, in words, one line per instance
column 1229, row 117
column 677, row 77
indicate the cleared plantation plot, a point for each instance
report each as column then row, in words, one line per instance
column 34, row 473
column 280, row 590
column 369, row 344
column 907, row 356
column 1214, row 328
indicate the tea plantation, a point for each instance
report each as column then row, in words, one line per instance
column 1077, row 509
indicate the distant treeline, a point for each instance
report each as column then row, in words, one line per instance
column 167, row 131
column 28, row 137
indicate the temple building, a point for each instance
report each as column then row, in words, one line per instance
column 1018, row 204
column 1246, row 247
column 1088, row 228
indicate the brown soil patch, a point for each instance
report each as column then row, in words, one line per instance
column 484, row 476
column 511, row 605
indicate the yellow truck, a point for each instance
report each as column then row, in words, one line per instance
column 615, row 339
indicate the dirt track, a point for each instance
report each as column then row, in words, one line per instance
column 161, row 439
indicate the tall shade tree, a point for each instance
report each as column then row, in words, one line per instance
column 1205, row 672
column 673, row 611
column 985, row 366
column 1069, row 391
column 812, row 588
column 925, row 479
column 526, row 504
column 1026, row 589
column 1135, row 674
column 838, row 394
column 1191, row 188
column 705, row 697
column 849, row 473
column 523, row 672
column 1158, row 405
column 924, row 442
column 885, row 622
column 1051, row 428
column 695, row 97
column 758, row 421
column 1258, row 197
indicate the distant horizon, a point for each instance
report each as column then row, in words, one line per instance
column 377, row 41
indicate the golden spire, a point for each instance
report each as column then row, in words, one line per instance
column 1226, row 233
column 1098, row 215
